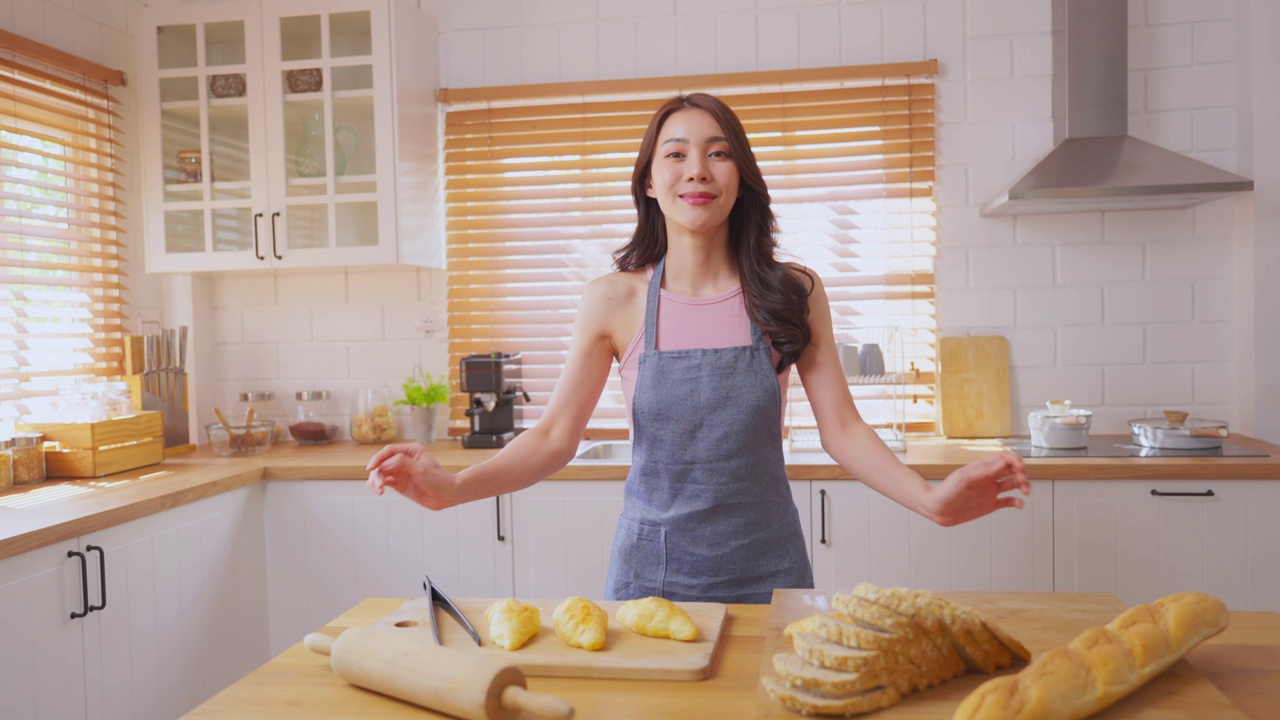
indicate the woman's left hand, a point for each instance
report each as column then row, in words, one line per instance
column 978, row 489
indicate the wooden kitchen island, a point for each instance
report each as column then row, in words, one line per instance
column 1243, row 663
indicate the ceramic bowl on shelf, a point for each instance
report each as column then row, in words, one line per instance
column 227, row 86
column 305, row 80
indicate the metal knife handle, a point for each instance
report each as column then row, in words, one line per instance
column 182, row 347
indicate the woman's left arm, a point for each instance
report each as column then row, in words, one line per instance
column 970, row 492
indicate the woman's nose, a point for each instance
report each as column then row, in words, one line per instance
column 696, row 169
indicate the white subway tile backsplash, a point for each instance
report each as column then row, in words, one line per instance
column 691, row 7
column 819, row 29
column 1190, row 260
column 580, row 51
column 963, row 307
column 1099, row 264
column 951, row 108
column 696, row 42
column 992, row 266
column 944, row 37
column 618, row 49
column 903, row 31
column 1101, row 345
column 1225, row 159
column 88, row 43
column 990, row 58
column 860, row 38
column 540, row 54
column 1148, row 302
column 1214, row 299
column 950, row 185
column 1215, row 383
column 777, row 39
column 383, row 360
column 986, row 180
column 384, row 285
column 1149, row 385
column 1007, row 17
column 280, row 324
column 1016, row 98
column 975, row 143
column 633, row 9
column 502, row 55
column 1215, row 42
column 1190, row 342
column 28, row 21
column 477, row 14
column 1170, row 130
column 1161, row 12
column 228, row 328
column 1030, row 347
column 464, row 58
column 402, row 321
column 1060, row 228
column 962, row 225
column 733, row 53
column 951, row 266
column 311, row 288
column 1033, row 54
column 314, row 361
column 1214, row 129
column 1161, row 46
column 1147, row 224
column 244, row 290
column 657, row 35
column 1059, row 306
column 246, row 362
column 1199, row 86
column 556, row 12
column 59, row 28
column 1034, row 385
column 347, row 323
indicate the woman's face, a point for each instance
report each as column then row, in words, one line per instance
column 693, row 176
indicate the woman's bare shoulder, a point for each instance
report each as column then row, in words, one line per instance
column 615, row 287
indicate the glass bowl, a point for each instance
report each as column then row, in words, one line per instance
column 228, row 440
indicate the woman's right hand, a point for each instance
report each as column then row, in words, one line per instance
column 412, row 472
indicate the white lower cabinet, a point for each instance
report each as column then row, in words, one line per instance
column 563, row 533
column 182, row 615
column 1145, row 539
column 332, row 543
column 859, row 534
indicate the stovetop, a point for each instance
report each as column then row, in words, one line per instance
column 1122, row 446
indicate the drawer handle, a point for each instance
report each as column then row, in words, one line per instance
column 497, row 501
column 274, row 252
column 822, row 513
column 84, row 584
column 1206, row 493
column 102, row 577
column 256, row 218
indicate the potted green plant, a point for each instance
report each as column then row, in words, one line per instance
column 423, row 394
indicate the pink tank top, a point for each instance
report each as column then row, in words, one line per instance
column 686, row 323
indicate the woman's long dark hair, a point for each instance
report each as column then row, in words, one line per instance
column 777, row 299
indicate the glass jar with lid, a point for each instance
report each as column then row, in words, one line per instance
column 6, row 463
column 265, row 407
column 371, row 418
column 28, row 458
column 313, row 420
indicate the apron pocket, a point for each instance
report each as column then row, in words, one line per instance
column 639, row 562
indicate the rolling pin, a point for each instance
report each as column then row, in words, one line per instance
column 464, row 683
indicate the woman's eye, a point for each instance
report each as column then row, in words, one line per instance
column 675, row 155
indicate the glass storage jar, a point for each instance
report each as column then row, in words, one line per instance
column 6, row 464
column 314, row 418
column 265, row 407
column 190, row 166
column 28, row 458
column 371, row 418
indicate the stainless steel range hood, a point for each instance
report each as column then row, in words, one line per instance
column 1095, row 164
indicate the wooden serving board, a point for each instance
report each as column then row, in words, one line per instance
column 1041, row 621
column 625, row 655
column 973, row 387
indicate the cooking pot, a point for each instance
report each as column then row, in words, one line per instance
column 1176, row 432
column 1060, row 427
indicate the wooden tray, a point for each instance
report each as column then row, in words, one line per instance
column 1040, row 621
column 102, row 448
column 625, row 654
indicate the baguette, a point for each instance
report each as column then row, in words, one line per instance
column 1102, row 664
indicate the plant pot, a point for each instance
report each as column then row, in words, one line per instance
column 422, row 423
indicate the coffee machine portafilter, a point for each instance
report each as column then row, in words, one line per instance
column 493, row 381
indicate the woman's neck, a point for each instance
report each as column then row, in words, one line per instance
column 699, row 266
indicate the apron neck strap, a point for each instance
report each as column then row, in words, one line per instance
column 651, row 311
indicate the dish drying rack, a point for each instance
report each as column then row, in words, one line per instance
column 887, row 413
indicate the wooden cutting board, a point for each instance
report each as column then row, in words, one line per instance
column 1041, row 621
column 625, row 654
column 973, row 387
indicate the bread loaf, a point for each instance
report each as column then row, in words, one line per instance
column 808, row 703
column 1102, row 664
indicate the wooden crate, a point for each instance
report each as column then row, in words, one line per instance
column 102, row 448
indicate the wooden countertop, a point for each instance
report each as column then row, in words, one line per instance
column 1243, row 662
column 32, row 517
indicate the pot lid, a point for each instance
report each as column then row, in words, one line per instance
column 1050, row 414
column 1167, row 424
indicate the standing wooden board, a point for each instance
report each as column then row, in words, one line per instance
column 625, row 655
column 1041, row 621
column 973, row 387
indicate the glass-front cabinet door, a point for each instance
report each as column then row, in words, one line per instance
column 267, row 135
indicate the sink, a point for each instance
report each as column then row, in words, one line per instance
column 598, row 451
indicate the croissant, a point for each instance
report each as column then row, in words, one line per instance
column 581, row 623
column 512, row 623
column 657, row 617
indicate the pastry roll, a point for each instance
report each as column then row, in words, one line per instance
column 657, row 617
column 512, row 623
column 581, row 623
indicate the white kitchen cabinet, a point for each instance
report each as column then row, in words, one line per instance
column 312, row 130
column 563, row 533
column 183, row 615
column 859, row 534
column 1215, row 536
column 332, row 543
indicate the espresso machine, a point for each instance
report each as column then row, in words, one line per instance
column 493, row 380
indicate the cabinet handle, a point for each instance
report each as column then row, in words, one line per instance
column 84, row 584
column 256, row 218
column 1206, row 493
column 497, row 501
column 274, row 252
column 102, row 577
column 822, row 513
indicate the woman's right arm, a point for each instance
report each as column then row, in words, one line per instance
column 540, row 450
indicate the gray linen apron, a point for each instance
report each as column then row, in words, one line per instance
column 707, row 513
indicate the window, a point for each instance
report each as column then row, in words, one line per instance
column 537, row 183
column 60, row 280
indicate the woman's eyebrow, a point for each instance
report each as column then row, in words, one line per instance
column 713, row 139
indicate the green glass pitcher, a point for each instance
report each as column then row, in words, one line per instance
column 309, row 158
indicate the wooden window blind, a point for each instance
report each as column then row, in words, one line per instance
column 537, row 185
column 61, row 312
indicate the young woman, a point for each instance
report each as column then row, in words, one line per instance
column 706, row 324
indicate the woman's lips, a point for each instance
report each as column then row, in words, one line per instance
column 698, row 198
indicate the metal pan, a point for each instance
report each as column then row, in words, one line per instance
column 1176, row 432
